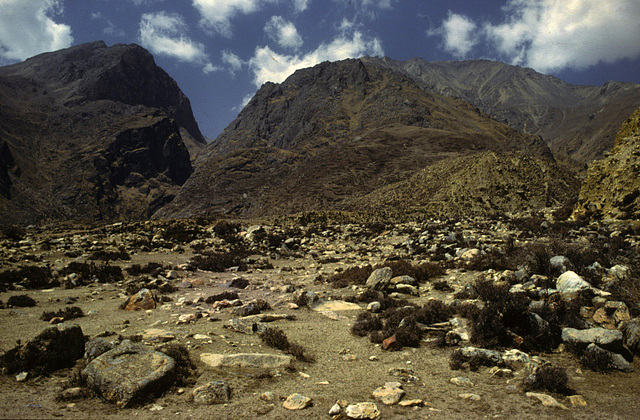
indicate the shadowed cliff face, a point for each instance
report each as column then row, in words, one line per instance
column 330, row 133
column 611, row 189
column 92, row 133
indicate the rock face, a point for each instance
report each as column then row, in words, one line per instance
column 611, row 189
column 92, row 132
column 129, row 373
column 54, row 348
column 579, row 122
column 290, row 147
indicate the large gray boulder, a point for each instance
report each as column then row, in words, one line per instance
column 607, row 339
column 631, row 330
column 130, row 373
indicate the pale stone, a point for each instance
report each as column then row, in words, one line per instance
column 389, row 394
column 547, row 400
column 363, row 410
column 297, row 402
column 249, row 360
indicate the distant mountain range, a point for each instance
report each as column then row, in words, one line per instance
column 102, row 133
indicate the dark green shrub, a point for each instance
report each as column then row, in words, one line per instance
column 21, row 301
column 351, row 276
column 548, row 378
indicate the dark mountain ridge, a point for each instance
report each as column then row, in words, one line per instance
column 92, row 133
column 579, row 123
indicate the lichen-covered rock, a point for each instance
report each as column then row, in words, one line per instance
column 129, row 373
column 362, row 410
column 380, row 279
column 631, row 330
column 607, row 339
column 215, row 392
column 142, row 300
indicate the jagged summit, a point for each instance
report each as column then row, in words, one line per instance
column 92, row 133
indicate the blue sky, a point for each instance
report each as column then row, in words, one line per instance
column 221, row 51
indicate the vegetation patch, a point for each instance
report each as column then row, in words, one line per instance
column 67, row 313
column 217, row 261
column 31, row 277
column 276, row 338
column 550, row 379
column 21, row 301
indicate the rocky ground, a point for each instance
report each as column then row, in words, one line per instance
column 441, row 319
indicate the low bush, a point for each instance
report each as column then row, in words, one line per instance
column 67, row 313
column 221, row 296
column 103, row 255
column 598, row 361
column 276, row 338
column 217, row 261
column 31, row 277
column 152, row 268
column 548, row 378
column 21, row 301
column 351, row 276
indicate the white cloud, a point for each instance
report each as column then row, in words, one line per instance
column 382, row 4
column 269, row 66
column 458, row 33
column 301, row 5
column 232, row 60
column 163, row 33
column 217, row 14
column 27, row 29
column 550, row 35
column 283, row 32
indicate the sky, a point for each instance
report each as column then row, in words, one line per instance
column 221, row 51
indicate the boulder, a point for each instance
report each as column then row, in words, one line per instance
column 215, row 392
column 297, row 402
column 617, row 360
column 142, row 300
column 362, row 410
column 245, row 360
column 98, row 346
column 380, row 279
column 130, row 373
column 607, row 339
column 54, row 348
column 570, row 282
column 389, row 394
column 560, row 264
column 631, row 331
column 246, row 325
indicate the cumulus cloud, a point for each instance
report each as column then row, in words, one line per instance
column 27, row 29
column 217, row 14
column 283, row 32
column 163, row 33
column 550, row 35
column 458, row 34
column 269, row 66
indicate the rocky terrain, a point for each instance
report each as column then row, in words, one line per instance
column 92, row 133
column 315, row 316
column 611, row 189
column 579, row 123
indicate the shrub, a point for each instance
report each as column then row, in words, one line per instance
column 185, row 368
column 120, row 254
column 548, row 378
column 68, row 313
column 181, row 233
column 217, row 261
column 276, row 338
column 13, row 232
column 350, row 276
column 442, row 286
column 21, row 301
column 87, row 272
column 152, row 268
column 222, row 296
column 598, row 361
column 31, row 277
column 366, row 323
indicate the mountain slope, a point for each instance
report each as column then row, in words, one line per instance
column 483, row 184
column 91, row 132
column 332, row 132
column 611, row 188
column 578, row 122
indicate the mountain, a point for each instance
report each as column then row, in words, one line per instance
column 579, row 123
column 333, row 132
column 482, row 184
column 92, row 133
column 611, row 189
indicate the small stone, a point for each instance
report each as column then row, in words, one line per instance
column 390, row 343
column 411, row 403
column 577, row 400
column 56, row 320
column 297, row 402
column 215, row 392
column 461, row 381
column 156, row 407
column 142, row 300
column 72, row 393
column 363, row 410
column 547, row 400
column 374, row 307
column 349, row 357
column 471, row 397
column 335, row 410
column 22, row 376
column 389, row 394
column 268, row 396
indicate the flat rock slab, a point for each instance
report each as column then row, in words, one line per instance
column 547, row 400
column 215, row 392
column 389, row 394
column 607, row 339
column 248, row 360
column 246, row 326
column 363, row 410
column 335, row 305
column 297, row 402
column 129, row 373
column 158, row 335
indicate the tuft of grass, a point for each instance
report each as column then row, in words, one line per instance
column 67, row 313
column 548, row 378
column 351, row 276
column 217, row 261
